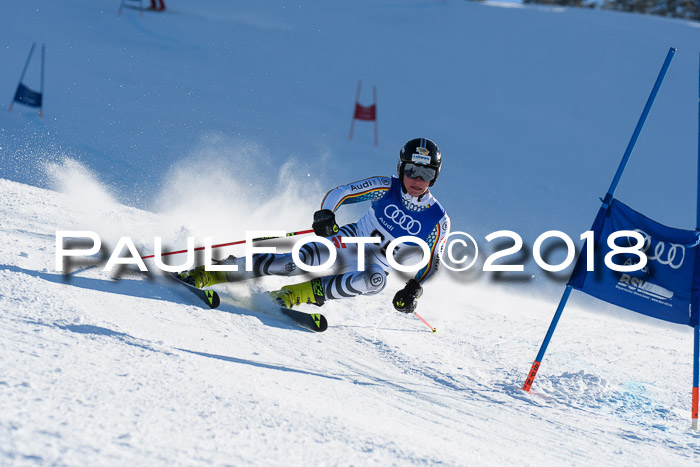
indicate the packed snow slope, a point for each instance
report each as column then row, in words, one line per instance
column 214, row 118
column 135, row 371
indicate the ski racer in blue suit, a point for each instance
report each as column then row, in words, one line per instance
column 402, row 206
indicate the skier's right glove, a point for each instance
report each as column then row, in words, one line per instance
column 406, row 299
column 324, row 223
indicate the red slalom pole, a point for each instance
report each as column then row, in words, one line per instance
column 432, row 329
column 290, row 234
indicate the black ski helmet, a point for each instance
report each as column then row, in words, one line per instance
column 420, row 151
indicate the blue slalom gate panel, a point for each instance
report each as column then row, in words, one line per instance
column 667, row 288
column 26, row 96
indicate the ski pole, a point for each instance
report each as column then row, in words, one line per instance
column 434, row 330
column 290, row 234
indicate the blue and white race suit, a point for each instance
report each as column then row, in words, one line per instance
column 392, row 214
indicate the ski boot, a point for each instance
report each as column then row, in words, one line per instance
column 306, row 292
column 200, row 278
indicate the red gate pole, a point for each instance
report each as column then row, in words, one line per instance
column 376, row 130
column 354, row 109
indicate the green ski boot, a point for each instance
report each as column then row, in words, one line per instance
column 305, row 292
column 200, row 278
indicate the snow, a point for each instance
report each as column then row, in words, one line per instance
column 217, row 117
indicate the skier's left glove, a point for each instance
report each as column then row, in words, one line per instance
column 406, row 299
column 324, row 223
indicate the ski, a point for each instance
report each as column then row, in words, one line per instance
column 312, row 321
column 209, row 297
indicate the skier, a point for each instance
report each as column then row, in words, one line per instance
column 159, row 7
column 402, row 206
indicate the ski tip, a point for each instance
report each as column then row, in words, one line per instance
column 312, row 321
column 320, row 322
column 213, row 298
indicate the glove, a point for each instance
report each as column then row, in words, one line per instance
column 406, row 299
column 324, row 223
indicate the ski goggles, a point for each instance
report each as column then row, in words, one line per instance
column 427, row 174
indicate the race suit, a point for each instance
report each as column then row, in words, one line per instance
column 392, row 214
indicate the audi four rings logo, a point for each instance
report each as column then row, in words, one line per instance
column 673, row 257
column 402, row 219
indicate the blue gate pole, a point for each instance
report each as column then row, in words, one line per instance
column 31, row 51
column 606, row 203
column 550, row 332
column 696, row 391
column 696, row 334
column 638, row 129
column 21, row 78
column 43, row 56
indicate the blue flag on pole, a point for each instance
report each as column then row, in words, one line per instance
column 667, row 288
column 26, row 96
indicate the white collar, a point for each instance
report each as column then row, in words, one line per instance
column 423, row 200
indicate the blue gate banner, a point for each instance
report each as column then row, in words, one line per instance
column 26, row 96
column 667, row 288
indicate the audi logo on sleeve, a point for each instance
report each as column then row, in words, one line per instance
column 403, row 220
